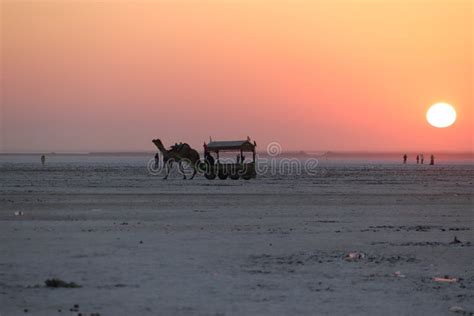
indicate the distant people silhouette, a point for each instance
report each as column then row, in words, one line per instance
column 405, row 157
column 157, row 161
column 422, row 158
column 209, row 159
column 417, row 159
column 43, row 160
column 432, row 160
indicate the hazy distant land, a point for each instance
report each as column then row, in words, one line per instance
column 443, row 155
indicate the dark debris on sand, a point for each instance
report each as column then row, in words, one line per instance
column 267, row 263
column 57, row 283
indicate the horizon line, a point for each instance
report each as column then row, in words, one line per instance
column 296, row 151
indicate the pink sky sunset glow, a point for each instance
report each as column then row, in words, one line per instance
column 312, row 75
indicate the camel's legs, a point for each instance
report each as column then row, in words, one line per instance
column 169, row 165
column 194, row 171
column 181, row 169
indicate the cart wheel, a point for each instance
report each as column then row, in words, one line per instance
column 210, row 176
column 222, row 175
column 234, row 176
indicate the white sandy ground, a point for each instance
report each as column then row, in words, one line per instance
column 271, row 246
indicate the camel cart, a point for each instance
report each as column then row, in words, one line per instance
column 235, row 167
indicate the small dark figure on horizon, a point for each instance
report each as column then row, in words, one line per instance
column 405, row 157
column 43, row 160
column 422, row 158
column 417, row 159
column 157, row 160
column 432, row 160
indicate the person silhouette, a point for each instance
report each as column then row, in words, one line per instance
column 432, row 160
column 417, row 159
column 422, row 158
column 157, row 161
column 210, row 160
column 43, row 160
column 405, row 157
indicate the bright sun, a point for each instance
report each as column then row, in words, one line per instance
column 441, row 115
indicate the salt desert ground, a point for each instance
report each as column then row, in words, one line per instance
column 274, row 245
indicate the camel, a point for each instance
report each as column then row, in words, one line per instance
column 178, row 153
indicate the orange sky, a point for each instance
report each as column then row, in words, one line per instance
column 323, row 75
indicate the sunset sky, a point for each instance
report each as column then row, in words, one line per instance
column 347, row 75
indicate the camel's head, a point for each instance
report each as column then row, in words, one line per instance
column 158, row 143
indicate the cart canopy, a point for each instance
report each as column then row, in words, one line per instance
column 231, row 145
